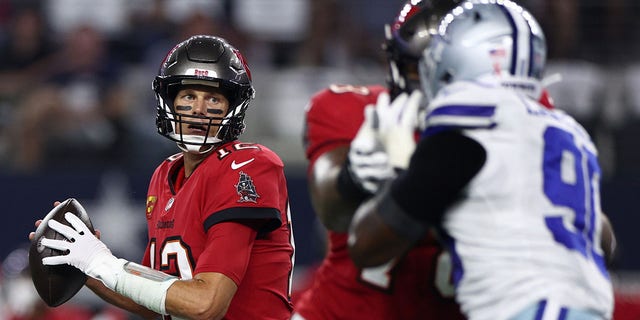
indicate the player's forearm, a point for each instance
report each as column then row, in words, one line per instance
column 333, row 208
column 149, row 292
column 608, row 240
column 118, row 300
column 372, row 241
column 207, row 296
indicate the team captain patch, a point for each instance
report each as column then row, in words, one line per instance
column 246, row 189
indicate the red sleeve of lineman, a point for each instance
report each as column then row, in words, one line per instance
column 334, row 116
column 228, row 250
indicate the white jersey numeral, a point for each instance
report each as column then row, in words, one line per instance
column 379, row 276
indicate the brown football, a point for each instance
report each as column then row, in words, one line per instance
column 56, row 284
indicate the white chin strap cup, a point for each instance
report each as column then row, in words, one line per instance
column 195, row 149
column 195, row 144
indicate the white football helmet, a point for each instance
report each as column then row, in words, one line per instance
column 492, row 38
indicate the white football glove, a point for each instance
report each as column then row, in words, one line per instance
column 368, row 161
column 86, row 252
column 143, row 285
column 397, row 123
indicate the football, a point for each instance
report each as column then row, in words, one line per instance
column 59, row 283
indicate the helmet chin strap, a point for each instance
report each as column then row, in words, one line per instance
column 194, row 149
column 195, row 144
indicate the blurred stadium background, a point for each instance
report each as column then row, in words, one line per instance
column 77, row 111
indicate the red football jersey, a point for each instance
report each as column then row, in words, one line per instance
column 414, row 287
column 239, row 181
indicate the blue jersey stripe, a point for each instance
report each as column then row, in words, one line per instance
column 434, row 129
column 456, row 117
column 463, row 110
column 456, row 262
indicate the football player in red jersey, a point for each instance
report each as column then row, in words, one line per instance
column 414, row 287
column 220, row 239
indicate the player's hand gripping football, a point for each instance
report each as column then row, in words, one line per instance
column 368, row 161
column 85, row 251
column 397, row 122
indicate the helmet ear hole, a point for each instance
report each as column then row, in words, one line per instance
column 447, row 77
column 476, row 16
column 163, row 124
column 234, row 129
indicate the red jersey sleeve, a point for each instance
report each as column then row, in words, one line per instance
column 334, row 115
column 249, row 183
column 231, row 245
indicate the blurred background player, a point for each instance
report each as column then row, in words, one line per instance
column 220, row 243
column 338, row 182
column 512, row 186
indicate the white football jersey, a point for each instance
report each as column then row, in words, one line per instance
column 528, row 227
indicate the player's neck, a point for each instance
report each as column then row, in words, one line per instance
column 191, row 162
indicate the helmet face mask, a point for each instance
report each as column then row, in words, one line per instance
column 407, row 37
column 489, row 38
column 207, row 61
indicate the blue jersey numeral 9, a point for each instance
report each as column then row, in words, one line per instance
column 570, row 179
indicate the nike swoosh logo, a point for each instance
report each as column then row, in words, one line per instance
column 236, row 166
